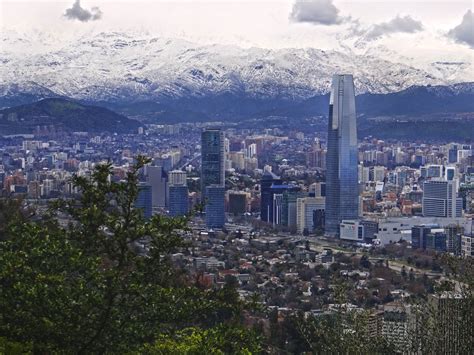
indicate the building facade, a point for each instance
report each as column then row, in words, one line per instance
column 440, row 199
column 158, row 180
column 178, row 202
column 212, row 159
column 266, row 195
column 215, row 206
column 213, row 176
column 309, row 210
column 144, row 200
column 342, row 197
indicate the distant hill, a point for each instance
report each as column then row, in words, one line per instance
column 65, row 115
column 424, row 112
column 434, row 130
column 234, row 107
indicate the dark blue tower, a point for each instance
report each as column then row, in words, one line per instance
column 144, row 200
column 212, row 159
column 213, row 176
column 266, row 195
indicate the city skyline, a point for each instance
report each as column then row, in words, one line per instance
column 166, row 166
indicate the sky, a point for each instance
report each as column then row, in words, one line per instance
column 425, row 30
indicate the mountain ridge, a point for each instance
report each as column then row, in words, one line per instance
column 117, row 67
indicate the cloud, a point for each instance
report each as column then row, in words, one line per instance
column 320, row 12
column 77, row 12
column 404, row 24
column 464, row 32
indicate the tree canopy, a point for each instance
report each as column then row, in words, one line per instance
column 93, row 276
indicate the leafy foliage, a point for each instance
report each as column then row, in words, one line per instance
column 223, row 339
column 95, row 275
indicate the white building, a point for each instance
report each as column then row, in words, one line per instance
column 392, row 230
column 364, row 174
column 306, row 208
column 379, row 173
column 351, row 230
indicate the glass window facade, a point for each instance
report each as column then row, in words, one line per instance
column 342, row 196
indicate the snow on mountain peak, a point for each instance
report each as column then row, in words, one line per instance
column 134, row 67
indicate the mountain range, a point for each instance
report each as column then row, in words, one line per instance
column 170, row 80
column 116, row 66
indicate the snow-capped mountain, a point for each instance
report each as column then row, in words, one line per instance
column 118, row 67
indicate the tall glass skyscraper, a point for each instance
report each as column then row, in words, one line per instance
column 178, row 193
column 144, row 199
column 342, row 191
column 213, row 176
column 212, row 159
column 266, row 205
column 215, row 206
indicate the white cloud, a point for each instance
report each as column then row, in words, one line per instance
column 398, row 24
column 77, row 12
column 322, row 12
column 464, row 32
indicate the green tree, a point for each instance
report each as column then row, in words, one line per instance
column 443, row 323
column 95, row 276
column 342, row 331
column 222, row 339
column 12, row 211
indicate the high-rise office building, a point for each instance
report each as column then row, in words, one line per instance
column 440, row 199
column 288, row 215
column 266, row 192
column 215, row 206
column 178, row 200
column 213, row 176
column 157, row 178
column 309, row 214
column 178, row 193
column 342, row 196
column 277, row 192
column 144, row 199
column 212, row 159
